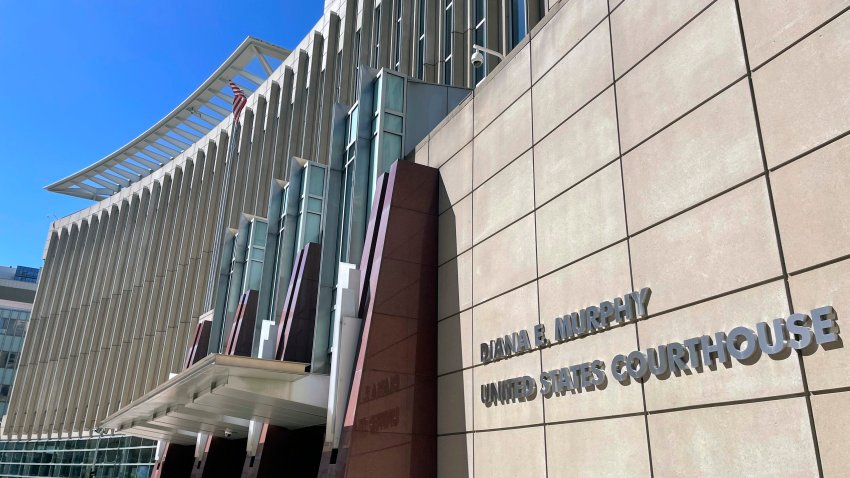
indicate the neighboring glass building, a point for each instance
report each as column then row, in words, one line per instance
column 112, row 457
column 17, row 293
column 619, row 250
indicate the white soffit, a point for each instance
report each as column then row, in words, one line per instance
column 223, row 393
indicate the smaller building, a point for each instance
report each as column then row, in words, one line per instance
column 17, row 294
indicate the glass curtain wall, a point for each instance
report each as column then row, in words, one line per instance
column 13, row 327
column 108, row 457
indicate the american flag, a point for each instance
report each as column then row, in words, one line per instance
column 239, row 100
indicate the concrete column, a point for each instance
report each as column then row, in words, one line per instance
column 210, row 280
column 130, row 294
column 460, row 51
column 328, row 88
column 111, row 340
column 251, row 180
column 48, row 362
column 169, row 280
column 296, row 137
column 180, row 286
column 38, row 398
column 104, row 359
column 266, row 169
column 433, row 18
column 98, row 315
column 64, row 330
column 78, row 403
column 76, row 358
column 82, row 325
column 407, row 36
column 385, row 43
column 145, row 307
column 308, row 149
column 284, row 125
column 206, row 228
column 112, row 322
column 366, row 30
column 153, row 320
column 24, row 373
column 123, row 336
column 71, row 332
column 240, row 168
column 494, row 31
column 203, row 166
column 349, row 63
column 135, row 320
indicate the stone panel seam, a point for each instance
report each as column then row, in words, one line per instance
column 686, row 113
column 638, row 414
column 558, row 422
column 777, row 233
column 803, row 37
column 536, row 249
column 628, row 241
column 663, row 42
column 544, row 73
column 810, row 151
column 728, row 403
column 700, row 203
column 471, row 280
column 828, row 391
column 820, row 265
column 561, row 123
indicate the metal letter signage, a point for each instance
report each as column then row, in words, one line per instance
column 804, row 332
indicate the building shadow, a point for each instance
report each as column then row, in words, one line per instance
column 454, row 450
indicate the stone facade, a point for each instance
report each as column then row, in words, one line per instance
column 699, row 149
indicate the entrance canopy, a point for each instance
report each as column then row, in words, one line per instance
column 220, row 394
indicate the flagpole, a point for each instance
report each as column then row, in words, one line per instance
column 222, row 214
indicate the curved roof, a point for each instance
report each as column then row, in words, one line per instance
column 249, row 66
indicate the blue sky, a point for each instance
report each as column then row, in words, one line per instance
column 83, row 78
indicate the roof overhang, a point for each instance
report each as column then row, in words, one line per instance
column 226, row 392
column 249, row 66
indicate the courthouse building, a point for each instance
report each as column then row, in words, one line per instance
column 481, row 238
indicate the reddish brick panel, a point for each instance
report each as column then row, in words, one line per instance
column 241, row 337
column 391, row 421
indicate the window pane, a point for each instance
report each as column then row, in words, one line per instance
column 420, row 59
column 518, row 21
column 317, row 181
column 395, row 93
column 260, row 233
column 392, row 123
column 312, row 228
column 391, row 151
column 376, row 36
column 314, row 205
column 352, row 125
column 447, row 37
column 376, row 93
column 397, row 40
